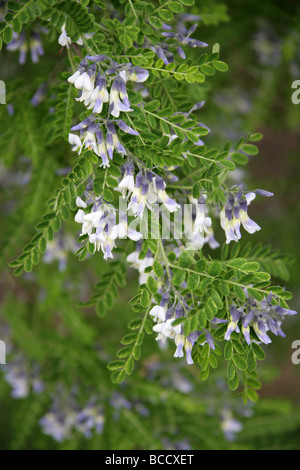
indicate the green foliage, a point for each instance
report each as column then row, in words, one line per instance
column 70, row 320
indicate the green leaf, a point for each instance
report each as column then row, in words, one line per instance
column 216, row 48
column 178, row 277
column 179, row 133
column 116, row 364
column 251, row 361
column 254, row 383
column 124, row 352
column 203, row 374
column 237, row 262
column 239, row 293
column 219, row 332
column 191, row 160
column 158, row 269
column 224, row 251
column 216, row 299
column 255, row 137
column 165, row 15
column 141, row 125
column 152, row 106
column 215, row 268
column 202, row 319
column 200, row 266
column 193, row 323
column 239, row 158
column 136, row 353
column 65, row 212
column 252, row 394
column 185, row 259
column 193, row 281
column 145, row 298
column 100, row 308
column 155, row 22
column 230, row 370
column 220, row 66
column 18, row 271
column 250, row 267
column 118, row 376
column 238, row 346
column 17, row 25
column 7, row 34
column 228, row 165
column 191, row 136
column 239, row 361
column 196, row 191
column 175, row 7
column 255, row 293
column 261, row 277
column 152, row 285
column 134, row 324
column 224, row 288
column 250, row 149
column 207, row 69
column 171, row 256
column 56, row 222
column 129, row 338
column 83, row 254
column 112, row 182
column 129, row 366
column 108, row 195
column 234, row 382
column 213, row 361
column 228, row 351
column 42, row 244
column 258, row 351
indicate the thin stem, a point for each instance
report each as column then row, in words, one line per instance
column 132, row 125
column 163, row 119
column 166, row 261
column 164, row 70
column 204, row 158
column 170, row 186
column 70, row 57
column 133, row 10
column 226, row 280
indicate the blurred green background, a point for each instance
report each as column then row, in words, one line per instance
column 260, row 42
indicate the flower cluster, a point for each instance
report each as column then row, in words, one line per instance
column 179, row 39
column 58, row 249
column 98, row 221
column 234, row 213
column 262, row 316
column 92, row 138
column 144, row 190
column 199, row 229
column 97, row 88
column 21, row 43
column 164, row 315
column 21, row 379
column 229, row 424
column 65, row 415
